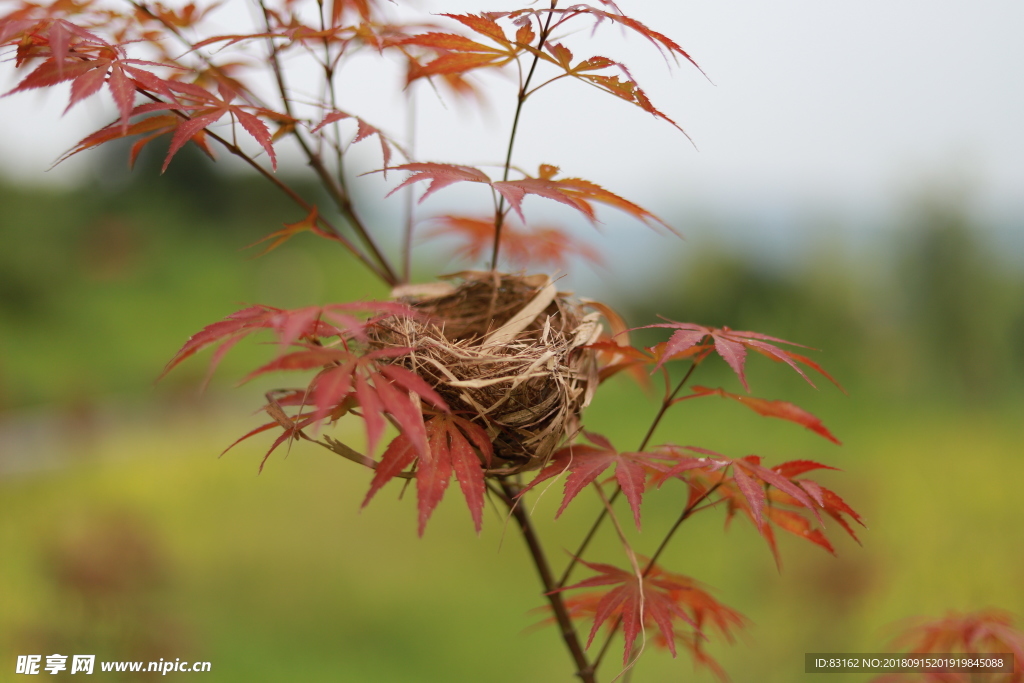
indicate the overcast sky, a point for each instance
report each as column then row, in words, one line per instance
column 811, row 104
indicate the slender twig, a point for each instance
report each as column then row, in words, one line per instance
column 384, row 271
column 330, row 66
column 499, row 214
column 331, row 92
column 409, row 208
column 334, row 189
column 548, row 82
column 665, row 405
column 584, row 670
column 280, row 185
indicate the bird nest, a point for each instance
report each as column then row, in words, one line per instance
column 507, row 352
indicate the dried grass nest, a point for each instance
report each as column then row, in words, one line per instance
column 505, row 351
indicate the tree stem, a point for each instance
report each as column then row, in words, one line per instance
column 336, row 190
column 584, row 670
column 499, row 213
column 382, row 269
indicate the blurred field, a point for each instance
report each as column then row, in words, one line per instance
column 123, row 535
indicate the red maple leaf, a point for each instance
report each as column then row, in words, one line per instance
column 585, row 463
column 439, row 175
column 243, row 323
column 156, row 126
column 751, row 478
column 454, row 446
column 455, row 55
column 311, row 324
column 659, row 40
column 311, row 223
column 199, row 108
column 362, row 8
column 653, row 600
column 186, row 16
column 286, row 29
column 693, row 598
column 613, row 358
column 90, row 62
column 780, row 409
column 662, row 42
column 540, row 246
column 757, row 492
column 348, row 379
column 613, row 350
column 829, row 501
column 577, row 193
column 193, row 110
column 363, row 131
column 622, row 84
column 574, row 192
column 732, row 346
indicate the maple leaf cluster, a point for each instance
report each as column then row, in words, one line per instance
column 192, row 95
column 170, row 78
column 435, row 445
column 778, row 497
column 350, row 377
column 659, row 600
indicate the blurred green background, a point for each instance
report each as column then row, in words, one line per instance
column 124, row 535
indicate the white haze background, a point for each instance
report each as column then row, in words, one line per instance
column 812, row 113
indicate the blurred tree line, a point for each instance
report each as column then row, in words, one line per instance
column 930, row 310
column 97, row 283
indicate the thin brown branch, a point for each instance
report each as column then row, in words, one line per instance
column 280, row 185
column 584, row 670
column 384, row 271
column 408, row 198
column 499, row 214
column 331, row 92
column 334, row 189
column 666, row 404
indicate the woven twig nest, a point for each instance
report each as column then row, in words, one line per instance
column 504, row 351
